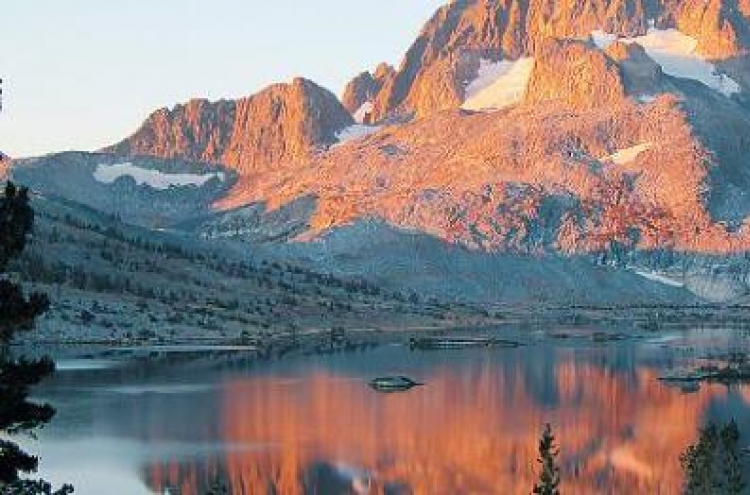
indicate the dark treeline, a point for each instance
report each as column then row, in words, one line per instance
column 18, row 415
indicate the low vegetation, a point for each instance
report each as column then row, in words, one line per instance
column 113, row 281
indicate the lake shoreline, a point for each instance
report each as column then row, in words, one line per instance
column 497, row 396
column 636, row 319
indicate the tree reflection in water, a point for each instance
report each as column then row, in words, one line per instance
column 473, row 429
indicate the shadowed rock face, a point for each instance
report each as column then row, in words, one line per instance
column 510, row 29
column 146, row 191
column 640, row 74
column 282, row 124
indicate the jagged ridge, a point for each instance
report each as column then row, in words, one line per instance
column 281, row 124
column 464, row 30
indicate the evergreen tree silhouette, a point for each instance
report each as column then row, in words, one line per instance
column 549, row 477
column 18, row 415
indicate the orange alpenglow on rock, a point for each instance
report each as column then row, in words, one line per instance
column 598, row 132
column 282, row 124
column 541, row 126
column 575, row 74
column 512, row 29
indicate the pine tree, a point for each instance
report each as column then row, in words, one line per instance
column 549, row 478
column 698, row 462
column 713, row 464
column 730, row 437
column 17, row 313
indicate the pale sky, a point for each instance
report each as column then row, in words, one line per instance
column 81, row 74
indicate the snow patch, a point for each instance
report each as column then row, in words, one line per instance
column 660, row 278
column 355, row 132
column 107, row 174
column 676, row 53
column 498, row 84
column 602, row 39
column 627, row 155
column 361, row 114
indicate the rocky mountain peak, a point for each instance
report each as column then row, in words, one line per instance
column 563, row 141
column 198, row 130
column 466, row 30
column 284, row 122
column 383, row 71
column 365, row 87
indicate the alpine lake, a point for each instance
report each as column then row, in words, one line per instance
column 306, row 419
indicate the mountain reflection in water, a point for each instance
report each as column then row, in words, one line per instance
column 314, row 426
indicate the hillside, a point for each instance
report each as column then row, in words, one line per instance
column 115, row 282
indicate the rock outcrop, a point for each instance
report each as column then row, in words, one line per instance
column 282, row 124
column 574, row 74
column 365, row 87
column 198, row 130
column 722, row 27
column 442, row 87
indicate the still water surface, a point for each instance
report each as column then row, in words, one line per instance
column 182, row 421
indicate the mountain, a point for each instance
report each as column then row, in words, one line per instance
column 284, row 123
column 450, row 47
column 602, row 143
column 603, row 148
